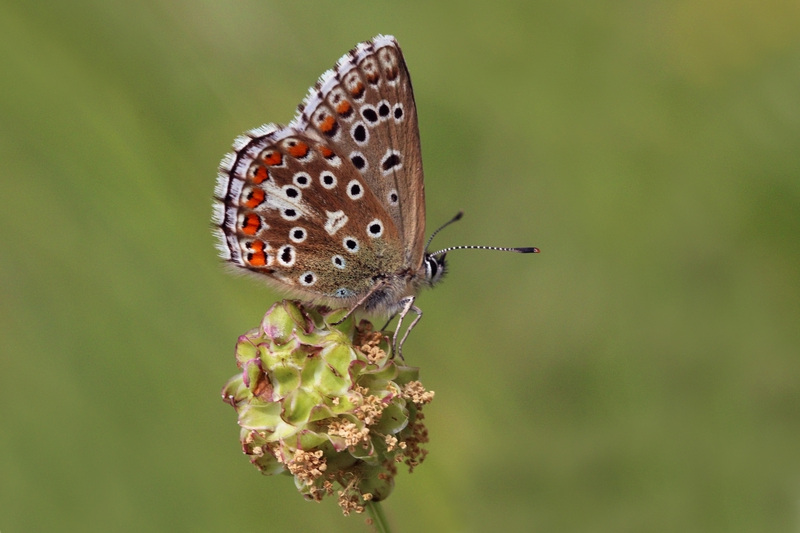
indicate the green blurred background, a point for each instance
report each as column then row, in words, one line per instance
column 640, row 374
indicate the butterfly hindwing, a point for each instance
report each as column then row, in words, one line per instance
column 298, row 213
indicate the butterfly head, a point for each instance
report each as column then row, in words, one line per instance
column 435, row 267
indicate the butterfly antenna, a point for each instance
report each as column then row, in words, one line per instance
column 454, row 219
column 527, row 250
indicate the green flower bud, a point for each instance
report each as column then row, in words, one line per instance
column 327, row 404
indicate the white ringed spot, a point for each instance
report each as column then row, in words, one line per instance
column 384, row 110
column 298, row 234
column 355, row 190
column 359, row 133
column 369, row 113
column 391, row 162
column 302, row 179
column 375, row 228
column 351, row 244
column 398, row 112
column 307, row 279
column 359, row 161
column 290, row 213
column 327, row 180
column 287, row 255
column 292, row 192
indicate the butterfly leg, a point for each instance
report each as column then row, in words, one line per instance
column 388, row 322
column 360, row 302
column 408, row 305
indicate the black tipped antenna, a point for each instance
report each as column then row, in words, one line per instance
column 526, row 250
column 454, row 219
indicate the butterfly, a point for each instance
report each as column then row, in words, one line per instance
column 331, row 207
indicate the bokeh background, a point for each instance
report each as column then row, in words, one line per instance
column 641, row 374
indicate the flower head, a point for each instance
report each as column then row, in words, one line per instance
column 327, row 404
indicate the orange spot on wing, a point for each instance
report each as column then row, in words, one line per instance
column 251, row 224
column 261, row 174
column 273, row 158
column 343, row 108
column 328, row 124
column 299, row 150
column 257, row 259
column 255, row 198
column 326, row 152
column 257, row 256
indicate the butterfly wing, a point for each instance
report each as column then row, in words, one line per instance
column 365, row 107
column 290, row 208
column 330, row 203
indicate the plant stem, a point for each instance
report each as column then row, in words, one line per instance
column 379, row 519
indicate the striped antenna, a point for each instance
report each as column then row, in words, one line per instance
column 525, row 250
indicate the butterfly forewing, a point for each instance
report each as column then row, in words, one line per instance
column 365, row 107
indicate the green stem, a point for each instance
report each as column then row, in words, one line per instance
column 379, row 519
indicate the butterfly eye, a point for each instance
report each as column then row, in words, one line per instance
column 434, row 268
